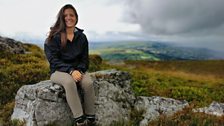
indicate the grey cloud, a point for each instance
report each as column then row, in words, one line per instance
column 117, row 36
column 181, row 17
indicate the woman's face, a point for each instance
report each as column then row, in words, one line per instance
column 70, row 19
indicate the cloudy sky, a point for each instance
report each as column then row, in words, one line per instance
column 187, row 22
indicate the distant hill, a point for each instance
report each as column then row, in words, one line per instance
column 126, row 50
column 150, row 50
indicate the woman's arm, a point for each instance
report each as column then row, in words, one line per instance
column 84, row 61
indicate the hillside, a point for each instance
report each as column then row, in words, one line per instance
column 198, row 67
column 199, row 82
column 153, row 51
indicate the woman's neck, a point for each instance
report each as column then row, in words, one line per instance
column 70, row 30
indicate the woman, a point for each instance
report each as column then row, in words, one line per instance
column 66, row 49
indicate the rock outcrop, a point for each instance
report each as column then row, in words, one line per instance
column 155, row 106
column 215, row 108
column 44, row 103
column 11, row 46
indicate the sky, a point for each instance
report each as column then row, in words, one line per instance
column 198, row 23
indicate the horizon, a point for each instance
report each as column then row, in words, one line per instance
column 173, row 44
column 186, row 23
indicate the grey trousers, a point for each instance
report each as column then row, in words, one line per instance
column 72, row 95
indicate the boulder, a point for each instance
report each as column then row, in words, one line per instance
column 45, row 103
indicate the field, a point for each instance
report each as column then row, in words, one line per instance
column 125, row 54
column 151, row 51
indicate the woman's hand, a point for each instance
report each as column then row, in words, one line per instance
column 76, row 75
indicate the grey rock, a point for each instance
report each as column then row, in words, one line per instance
column 41, row 104
column 114, row 96
column 45, row 102
column 155, row 106
column 215, row 108
column 11, row 46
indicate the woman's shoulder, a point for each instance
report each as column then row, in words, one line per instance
column 57, row 36
column 55, row 40
column 81, row 34
column 80, row 31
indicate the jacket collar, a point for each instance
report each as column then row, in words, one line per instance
column 78, row 30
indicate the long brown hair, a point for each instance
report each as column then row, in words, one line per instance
column 60, row 26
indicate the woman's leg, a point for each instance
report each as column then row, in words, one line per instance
column 70, row 87
column 89, row 95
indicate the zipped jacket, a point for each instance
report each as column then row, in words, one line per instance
column 74, row 56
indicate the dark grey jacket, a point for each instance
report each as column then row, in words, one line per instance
column 75, row 55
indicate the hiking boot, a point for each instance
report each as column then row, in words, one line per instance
column 80, row 121
column 91, row 123
column 81, row 124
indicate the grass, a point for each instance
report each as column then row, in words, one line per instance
column 198, row 82
column 174, row 79
column 17, row 70
column 206, row 68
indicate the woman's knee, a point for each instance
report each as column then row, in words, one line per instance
column 63, row 79
column 87, row 82
column 68, row 82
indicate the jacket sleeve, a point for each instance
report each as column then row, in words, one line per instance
column 84, row 61
column 52, row 51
